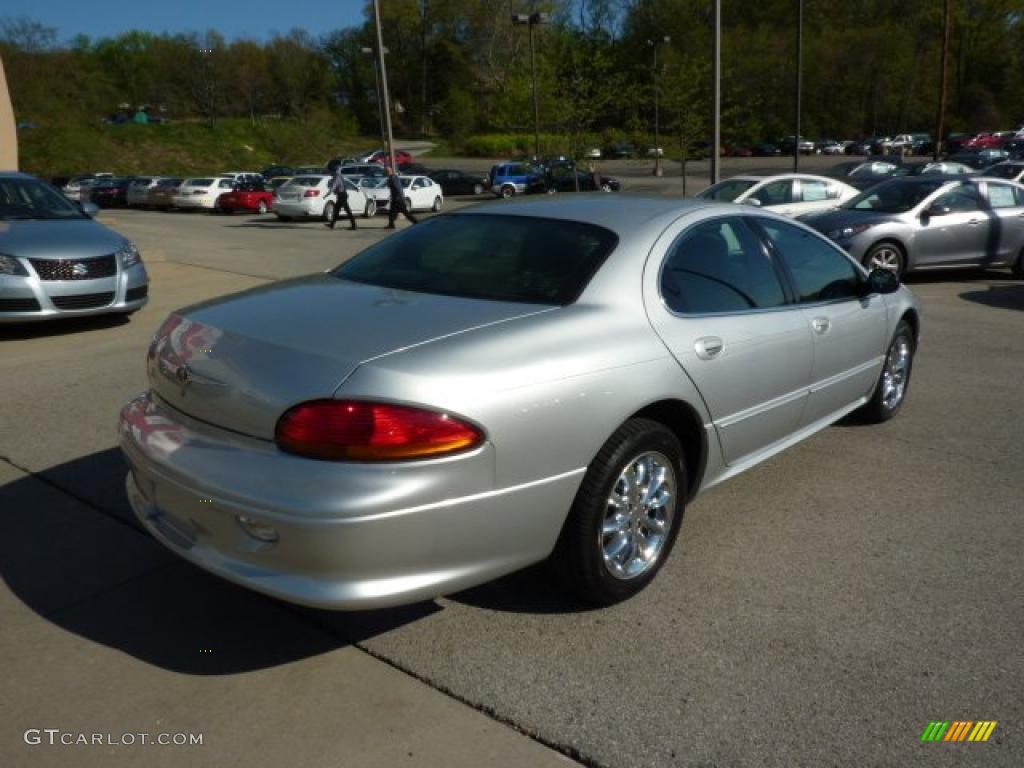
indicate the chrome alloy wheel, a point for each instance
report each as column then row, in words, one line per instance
column 894, row 376
column 638, row 516
column 885, row 257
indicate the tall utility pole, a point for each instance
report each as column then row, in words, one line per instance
column 939, row 131
column 716, row 88
column 376, row 92
column 657, row 78
column 799, row 79
column 531, row 20
column 384, row 86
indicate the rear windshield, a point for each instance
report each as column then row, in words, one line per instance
column 1005, row 171
column 198, row 182
column 727, row 191
column 487, row 256
column 305, row 181
column 895, row 196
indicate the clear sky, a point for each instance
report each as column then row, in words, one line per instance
column 258, row 19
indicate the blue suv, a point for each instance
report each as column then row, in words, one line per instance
column 508, row 179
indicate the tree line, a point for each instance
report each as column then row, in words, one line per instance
column 457, row 68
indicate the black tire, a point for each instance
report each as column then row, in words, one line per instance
column 578, row 559
column 880, row 407
column 283, row 218
column 371, row 208
column 437, row 204
column 1018, row 267
column 478, row 189
column 508, row 191
column 328, row 213
column 408, row 204
column 886, row 254
column 261, row 207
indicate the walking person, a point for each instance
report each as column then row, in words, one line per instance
column 397, row 204
column 341, row 200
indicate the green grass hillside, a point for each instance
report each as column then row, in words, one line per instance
column 55, row 148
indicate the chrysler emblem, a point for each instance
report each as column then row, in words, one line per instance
column 183, row 375
column 80, row 270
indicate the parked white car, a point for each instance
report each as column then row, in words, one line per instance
column 242, row 176
column 77, row 187
column 422, row 193
column 138, row 191
column 201, row 192
column 304, row 197
column 791, row 194
column 376, row 188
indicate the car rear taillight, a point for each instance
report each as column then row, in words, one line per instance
column 311, row 193
column 352, row 430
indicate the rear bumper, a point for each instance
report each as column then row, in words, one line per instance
column 298, row 210
column 28, row 299
column 350, row 536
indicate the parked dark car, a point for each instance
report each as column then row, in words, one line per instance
column 1016, row 148
column 110, row 192
column 273, row 171
column 767, row 150
column 621, row 150
column 459, row 182
column 414, row 169
column 955, row 142
column 974, row 159
column 741, row 150
column 565, row 179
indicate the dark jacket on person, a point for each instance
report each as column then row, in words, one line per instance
column 338, row 187
column 397, row 192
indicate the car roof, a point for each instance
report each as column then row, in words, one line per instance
column 779, row 177
column 624, row 213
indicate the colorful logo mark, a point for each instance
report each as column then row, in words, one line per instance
column 958, row 730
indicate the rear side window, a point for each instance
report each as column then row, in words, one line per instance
column 719, row 266
column 820, row 272
column 775, row 193
column 1001, row 196
column 816, row 191
column 487, row 256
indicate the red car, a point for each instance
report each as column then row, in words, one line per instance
column 380, row 156
column 252, row 198
column 989, row 140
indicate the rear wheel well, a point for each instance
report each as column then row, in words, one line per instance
column 683, row 420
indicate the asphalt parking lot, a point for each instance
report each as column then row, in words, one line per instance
column 818, row 610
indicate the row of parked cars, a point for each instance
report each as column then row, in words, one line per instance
column 901, row 216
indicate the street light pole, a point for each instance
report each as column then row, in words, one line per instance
column 376, row 91
column 799, row 79
column 384, row 85
column 657, row 79
column 716, row 89
column 531, row 20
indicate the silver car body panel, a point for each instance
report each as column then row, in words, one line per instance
column 548, row 385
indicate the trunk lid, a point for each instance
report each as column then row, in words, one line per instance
column 239, row 362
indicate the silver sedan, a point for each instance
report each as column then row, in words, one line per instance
column 927, row 222
column 494, row 387
column 55, row 261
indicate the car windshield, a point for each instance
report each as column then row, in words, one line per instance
column 487, row 256
column 169, row 183
column 31, row 199
column 727, row 191
column 198, row 182
column 895, row 196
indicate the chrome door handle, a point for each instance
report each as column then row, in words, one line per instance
column 708, row 347
column 820, row 325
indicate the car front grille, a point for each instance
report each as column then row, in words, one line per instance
column 85, row 301
column 19, row 305
column 134, row 294
column 75, row 269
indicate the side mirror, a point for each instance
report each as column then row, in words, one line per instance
column 881, row 280
column 752, row 201
column 935, row 209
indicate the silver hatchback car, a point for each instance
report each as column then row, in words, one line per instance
column 55, row 261
column 501, row 385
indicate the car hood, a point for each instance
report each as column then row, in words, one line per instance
column 828, row 221
column 240, row 361
column 68, row 238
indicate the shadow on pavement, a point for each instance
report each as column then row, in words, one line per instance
column 533, row 590
column 1000, row 296
column 83, row 567
column 61, row 327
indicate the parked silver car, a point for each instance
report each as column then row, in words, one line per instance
column 56, row 261
column 500, row 385
column 930, row 221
